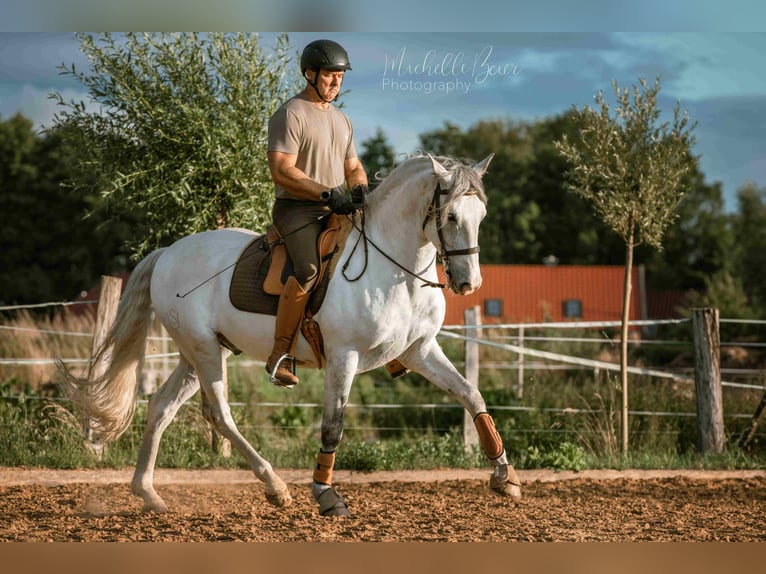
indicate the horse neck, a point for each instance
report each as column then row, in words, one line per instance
column 397, row 210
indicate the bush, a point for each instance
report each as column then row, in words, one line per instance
column 566, row 456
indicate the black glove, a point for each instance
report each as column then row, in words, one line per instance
column 358, row 192
column 338, row 201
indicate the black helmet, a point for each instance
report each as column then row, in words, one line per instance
column 324, row 54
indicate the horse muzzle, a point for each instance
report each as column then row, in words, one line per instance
column 464, row 287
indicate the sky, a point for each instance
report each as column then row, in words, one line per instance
column 408, row 83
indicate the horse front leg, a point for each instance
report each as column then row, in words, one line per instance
column 339, row 375
column 430, row 361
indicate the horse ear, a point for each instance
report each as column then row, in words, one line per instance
column 482, row 166
column 445, row 177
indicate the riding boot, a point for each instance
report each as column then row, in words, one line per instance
column 292, row 305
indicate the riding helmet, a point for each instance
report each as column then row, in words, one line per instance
column 324, row 54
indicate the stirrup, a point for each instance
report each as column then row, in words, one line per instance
column 272, row 375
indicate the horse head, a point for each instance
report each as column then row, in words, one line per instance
column 452, row 223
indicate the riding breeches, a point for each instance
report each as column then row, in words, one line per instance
column 299, row 225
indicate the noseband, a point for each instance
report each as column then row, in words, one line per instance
column 434, row 210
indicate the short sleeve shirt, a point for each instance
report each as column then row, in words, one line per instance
column 321, row 139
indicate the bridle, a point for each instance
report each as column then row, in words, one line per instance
column 442, row 254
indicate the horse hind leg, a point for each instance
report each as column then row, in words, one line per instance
column 210, row 373
column 163, row 407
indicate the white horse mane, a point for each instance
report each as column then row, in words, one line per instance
column 465, row 179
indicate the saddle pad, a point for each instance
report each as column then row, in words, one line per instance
column 246, row 289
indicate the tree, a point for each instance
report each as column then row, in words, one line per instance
column 750, row 233
column 697, row 245
column 181, row 132
column 512, row 231
column 631, row 169
column 46, row 251
column 378, row 156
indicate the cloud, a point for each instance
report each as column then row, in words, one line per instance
column 705, row 66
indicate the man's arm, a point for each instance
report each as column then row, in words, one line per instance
column 295, row 181
column 354, row 171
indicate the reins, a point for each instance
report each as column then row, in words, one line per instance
column 434, row 210
column 443, row 253
column 363, row 234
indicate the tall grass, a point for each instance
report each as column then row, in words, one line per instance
column 26, row 336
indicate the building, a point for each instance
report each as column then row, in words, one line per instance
column 543, row 293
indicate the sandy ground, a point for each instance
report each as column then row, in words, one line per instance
column 440, row 505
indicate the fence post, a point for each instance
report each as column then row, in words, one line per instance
column 707, row 380
column 471, row 318
column 106, row 313
column 520, row 367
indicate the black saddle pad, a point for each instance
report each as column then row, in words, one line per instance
column 246, row 289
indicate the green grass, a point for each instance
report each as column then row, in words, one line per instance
column 34, row 433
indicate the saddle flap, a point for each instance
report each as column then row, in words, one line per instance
column 273, row 282
column 279, row 258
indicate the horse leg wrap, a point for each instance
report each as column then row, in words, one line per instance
column 504, row 474
column 488, row 436
column 323, row 472
column 332, row 504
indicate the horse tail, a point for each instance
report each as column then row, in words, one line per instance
column 106, row 397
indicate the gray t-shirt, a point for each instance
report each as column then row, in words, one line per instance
column 321, row 139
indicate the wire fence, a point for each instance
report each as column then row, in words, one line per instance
column 517, row 344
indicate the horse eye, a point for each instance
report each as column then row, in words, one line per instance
column 452, row 217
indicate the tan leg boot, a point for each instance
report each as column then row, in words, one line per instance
column 292, row 305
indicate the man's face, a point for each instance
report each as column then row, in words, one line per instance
column 329, row 82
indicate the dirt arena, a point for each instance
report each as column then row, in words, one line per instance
column 442, row 505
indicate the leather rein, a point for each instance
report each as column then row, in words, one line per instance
column 443, row 254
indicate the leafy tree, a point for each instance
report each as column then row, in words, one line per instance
column 632, row 170
column 512, row 231
column 181, row 132
column 378, row 156
column 724, row 292
column 697, row 245
column 750, row 239
column 46, row 251
column 569, row 229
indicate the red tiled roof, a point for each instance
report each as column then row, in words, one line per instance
column 536, row 293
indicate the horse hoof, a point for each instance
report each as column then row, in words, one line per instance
column 506, row 482
column 154, row 507
column 279, row 498
column 508, row 490
column 339, row 511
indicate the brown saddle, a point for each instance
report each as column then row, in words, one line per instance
column 263, row 267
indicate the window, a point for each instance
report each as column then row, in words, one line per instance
column 493, row 307
column 572, row 308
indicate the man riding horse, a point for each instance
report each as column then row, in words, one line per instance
column 311, row 154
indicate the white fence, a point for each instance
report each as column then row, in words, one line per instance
column 512, row 338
